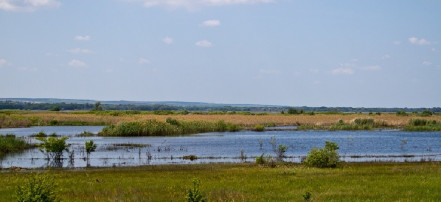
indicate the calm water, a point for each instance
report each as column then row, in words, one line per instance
column 382, row 145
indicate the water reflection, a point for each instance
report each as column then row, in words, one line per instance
column 244, row 146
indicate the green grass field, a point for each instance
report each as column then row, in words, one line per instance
column 244, row 182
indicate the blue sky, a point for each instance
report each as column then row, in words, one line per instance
column 282, row 52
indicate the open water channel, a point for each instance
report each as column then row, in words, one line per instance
column 243, row 146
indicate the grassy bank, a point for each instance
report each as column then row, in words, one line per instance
column 169, row 128
column 10, row 143
column 245, row 182
column 14, row 119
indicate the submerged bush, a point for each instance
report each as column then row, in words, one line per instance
column 326, row 157
column 53, row 147
column 38, row 187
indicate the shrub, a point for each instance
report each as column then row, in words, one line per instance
column 90, row 147
column 259, row 128
column 423, row 125
column 260, row 159
column 324, row 157
column 38, row 187
column 307, row 196
column 194, row 194
column 401, row 113
column 426, row 113
column 190, row 157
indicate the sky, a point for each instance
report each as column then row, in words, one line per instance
column 280, row 52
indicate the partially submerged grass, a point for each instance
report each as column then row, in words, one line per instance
column 244, row 182
column 423, row 125
column 9, row 143
column 169, row 128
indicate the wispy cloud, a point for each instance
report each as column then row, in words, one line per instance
column 82, row 38
column 397, row 42
column 417, row 41
column 167, row 40
column 77, row 63
column 269, row 71
column 372, row 67
column 211, row 23
column 27, row 5
column 143, row 61
column 342, row 70
column 2, row 62
column 427, row 63
column 204, row 43
column 191, row 4
column 385, row 57
column 79, row 50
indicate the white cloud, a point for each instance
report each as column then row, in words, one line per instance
column 143, row 61
column 416, row 41
column 314, row 70
column 167, row 40
column 77, row 63
column 79, row 50
column 2, row 62
column 372, row 67
column 82, row 38
column 191, row 4
column 342, row 70
column 27, row 5
column 427, row 63
column 211, row 23
column 397, row 42
column 384, row 57
column 204, row 43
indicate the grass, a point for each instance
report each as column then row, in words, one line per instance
column 244, row 182
column 10, row 143
column 14, row 119
column 423, row 125
column 169, row 128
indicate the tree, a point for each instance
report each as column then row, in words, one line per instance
column 97, row 107
column 90, row 147
column 53, row 147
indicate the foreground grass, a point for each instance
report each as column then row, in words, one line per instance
column 245, row 182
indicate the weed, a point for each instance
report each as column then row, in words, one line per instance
column 38, row 187
column 194, row 194
column 306, row 196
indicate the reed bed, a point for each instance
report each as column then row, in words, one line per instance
column 171, row 127
column 9, row 143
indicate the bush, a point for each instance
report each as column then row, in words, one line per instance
column 326, row 157
column 426, row 113
column 259, row 128
column 401, row 113
column 281, row 152
column 38, row 187
column 194, row 194
column 53, row 146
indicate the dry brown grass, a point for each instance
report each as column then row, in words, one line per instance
column 30, row 118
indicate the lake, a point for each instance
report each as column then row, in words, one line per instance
column 243, row 146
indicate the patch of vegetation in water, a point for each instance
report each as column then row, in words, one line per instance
column 358, row 124
column 423, row 125
column 10, row 143
column 169, row 128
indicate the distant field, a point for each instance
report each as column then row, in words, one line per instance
column 244, row 182
column 42, row 118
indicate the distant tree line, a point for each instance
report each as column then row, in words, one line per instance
column 13, row 105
